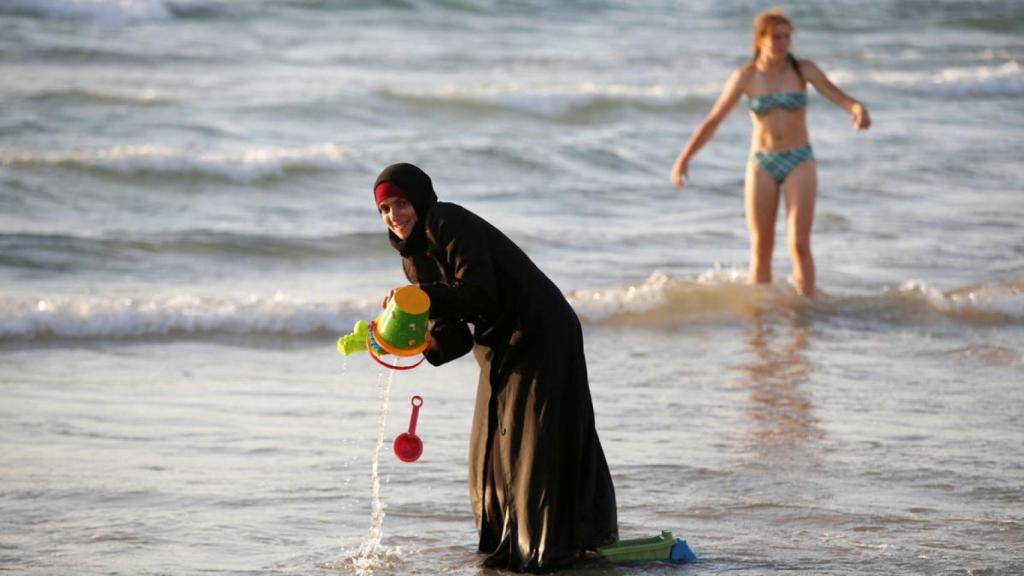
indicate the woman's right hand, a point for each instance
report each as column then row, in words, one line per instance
column 387, row 298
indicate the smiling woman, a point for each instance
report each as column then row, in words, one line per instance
column 395, row 209
column 540, row 487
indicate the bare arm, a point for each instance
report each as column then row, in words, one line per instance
column 825, row 87
column 726, row 102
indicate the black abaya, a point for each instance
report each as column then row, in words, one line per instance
column 538, row 480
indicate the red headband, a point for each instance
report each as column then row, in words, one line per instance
column 386, row 190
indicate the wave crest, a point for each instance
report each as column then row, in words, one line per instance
column 998, row 81
column 190, row 317
column 107, row 11
column 725, row 293
column 976, row 303
column 246, row 166
column 659, row 301
column 558, row 100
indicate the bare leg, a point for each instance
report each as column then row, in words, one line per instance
column 762, row 203
column 800, row 190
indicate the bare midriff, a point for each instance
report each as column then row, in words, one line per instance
column 779, row 129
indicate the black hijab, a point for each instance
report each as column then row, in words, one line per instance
column 416, row 185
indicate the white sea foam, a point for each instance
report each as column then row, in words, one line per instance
column 659, row 300
column 988, row 301
column 1005, row 79
column 105, row 11
column 662, row 300
column 91, row 317
column 106, row 95
column 240, row 166
column 725, row 292
column 558, row 98
column 597, row 305
column 582, row 89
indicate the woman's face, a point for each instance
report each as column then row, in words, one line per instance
column 776, row 43
column 398, row 215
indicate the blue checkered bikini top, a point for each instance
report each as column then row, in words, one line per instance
column 787, row 100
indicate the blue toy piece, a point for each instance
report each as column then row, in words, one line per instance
column 681, row 552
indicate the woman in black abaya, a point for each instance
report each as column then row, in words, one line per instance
column 538, row 479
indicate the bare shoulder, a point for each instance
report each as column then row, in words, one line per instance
column 742, row 76
column 809, row 68
column 745, row 72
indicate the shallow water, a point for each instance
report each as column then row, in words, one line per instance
column 185, row 230
column 779, row 444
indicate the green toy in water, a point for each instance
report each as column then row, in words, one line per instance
column 401, row 329
column 658, row 548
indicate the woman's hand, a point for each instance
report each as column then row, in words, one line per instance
column 387, row 298
column 860, row 116
column 679, row 173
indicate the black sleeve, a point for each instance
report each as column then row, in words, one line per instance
column 420, row 269
column 472, row 292
column 449, row 339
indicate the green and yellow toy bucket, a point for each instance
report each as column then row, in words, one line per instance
column 401, row 328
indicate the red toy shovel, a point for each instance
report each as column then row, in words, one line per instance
column 408, row 445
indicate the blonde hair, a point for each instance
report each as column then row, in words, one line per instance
column 763, row 25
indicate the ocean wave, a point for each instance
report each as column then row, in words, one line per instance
column 659, row 302
column 426, row 8
column 118, row 252
column 245, row 166
column 119, row 12
column 179, row 317
column 1002, row 80
column 561, row 100
column 77, row 96
column 662, row 301
column 985, row 302
column 996, row 15
column 107, row 11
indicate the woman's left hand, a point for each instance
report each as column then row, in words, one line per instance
column 861, row 118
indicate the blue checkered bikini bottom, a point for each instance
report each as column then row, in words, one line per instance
column 780, row 164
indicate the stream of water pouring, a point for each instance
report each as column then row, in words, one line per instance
column 371, row 553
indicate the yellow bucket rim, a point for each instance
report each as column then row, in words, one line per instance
column 411, row 300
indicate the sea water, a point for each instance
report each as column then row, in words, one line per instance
column 186, row 227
